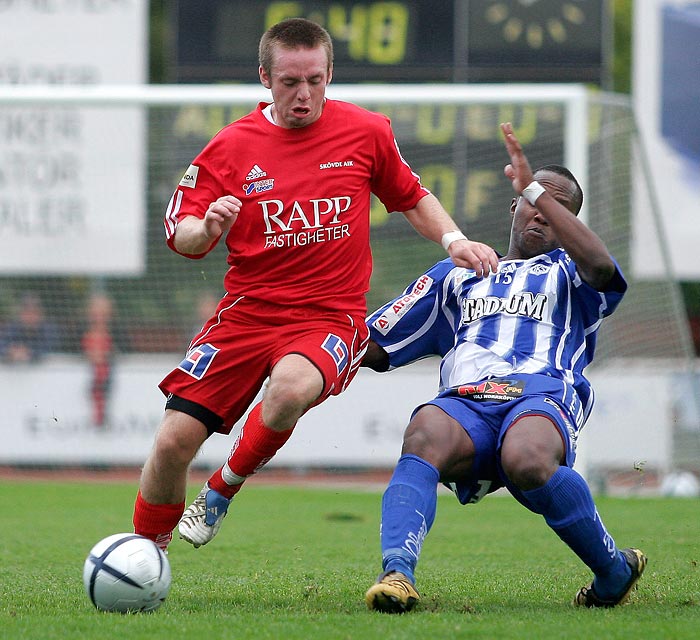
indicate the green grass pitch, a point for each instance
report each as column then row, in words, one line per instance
column 294, row 563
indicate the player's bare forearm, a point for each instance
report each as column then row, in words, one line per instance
column 430, row 219
column 191, row 236
column 586, row 249
column 196, row 235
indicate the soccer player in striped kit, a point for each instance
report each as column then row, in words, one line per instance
column 513, row 395
column 287, row 188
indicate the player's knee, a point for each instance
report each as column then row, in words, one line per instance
column 295, row 384
column 175, row 446
column 284, row 404
column 528, row 476
column 527, row 469
column 179, row 437
column 531, row 452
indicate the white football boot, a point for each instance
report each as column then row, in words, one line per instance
column 201, row 521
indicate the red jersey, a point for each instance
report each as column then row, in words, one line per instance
column 302, row 235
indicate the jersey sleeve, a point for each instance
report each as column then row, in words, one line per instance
column 420, row 322
column 596, row 304
column 393, row 180
column 200, row 185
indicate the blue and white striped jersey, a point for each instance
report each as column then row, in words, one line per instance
column 532, row 316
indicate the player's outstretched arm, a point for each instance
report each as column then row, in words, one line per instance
column 430, row 219
column 587, row 250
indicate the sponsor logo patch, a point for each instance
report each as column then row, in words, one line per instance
column 518, row 304
column 539, row 269
column 259, row 187
column 337, row 350
column 492, row 390
column 299, row 223
column 255, row 173
column 190, row 177
column 335, row 165
column 401, row 306
column 198, row 360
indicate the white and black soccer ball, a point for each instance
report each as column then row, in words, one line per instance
column 680, row 484
column 127, row 573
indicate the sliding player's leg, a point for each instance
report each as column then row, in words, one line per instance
column 435, row 448
column 536, row 455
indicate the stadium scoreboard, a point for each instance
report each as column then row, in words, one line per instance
column 402, row 40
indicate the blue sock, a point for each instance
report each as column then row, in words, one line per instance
column 408, row 512
column 568, row 508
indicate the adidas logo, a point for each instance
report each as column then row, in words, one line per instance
column 255, row 173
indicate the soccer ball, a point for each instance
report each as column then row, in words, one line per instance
column 127, row 573
column 680, row 484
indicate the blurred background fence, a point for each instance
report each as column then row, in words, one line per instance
column 106, row 309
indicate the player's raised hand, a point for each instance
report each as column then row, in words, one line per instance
column 474, row 255
column 221, row 215
column 518, row 171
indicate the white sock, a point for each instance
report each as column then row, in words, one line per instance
column 229, row 477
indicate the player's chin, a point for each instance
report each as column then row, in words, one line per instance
column 537, row 242
column 297, row 123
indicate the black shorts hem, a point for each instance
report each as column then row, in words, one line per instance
column 209, row 419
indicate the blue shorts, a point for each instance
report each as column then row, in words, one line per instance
column 488, row 408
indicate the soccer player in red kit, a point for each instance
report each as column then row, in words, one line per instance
column 287, row 188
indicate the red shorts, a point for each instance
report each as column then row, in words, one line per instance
column 230, row 359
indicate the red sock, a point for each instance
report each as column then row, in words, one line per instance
column 255, row 446
column 156, row 521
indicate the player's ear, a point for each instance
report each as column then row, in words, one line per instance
column 264, row 78
column 513, row 205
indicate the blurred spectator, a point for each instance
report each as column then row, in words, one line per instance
column 29, row 336
column 98, row 345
